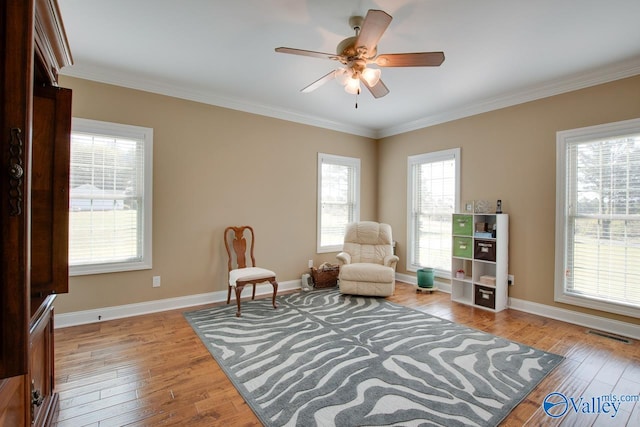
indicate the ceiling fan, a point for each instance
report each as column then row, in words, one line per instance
column 356, row 52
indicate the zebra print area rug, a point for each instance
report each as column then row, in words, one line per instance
column 328, row 359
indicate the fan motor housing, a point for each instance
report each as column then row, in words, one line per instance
column 347, row 48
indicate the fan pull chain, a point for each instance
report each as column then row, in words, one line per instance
column 357, row 93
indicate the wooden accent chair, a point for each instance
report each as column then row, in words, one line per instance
column 235, row 241
column 367, row 262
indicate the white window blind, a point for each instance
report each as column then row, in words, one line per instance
column 110, row 197
column 338, row 199
column 600, row 218
column 433, row 187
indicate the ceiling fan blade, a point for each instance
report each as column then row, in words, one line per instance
column 378, row 90
column 307, row 53
column 373, row 26
column 418, row 59
column 322, row 80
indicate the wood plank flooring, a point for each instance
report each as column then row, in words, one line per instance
column 153, row 370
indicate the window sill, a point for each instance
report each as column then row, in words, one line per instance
column 596, row 304
column 86, row 270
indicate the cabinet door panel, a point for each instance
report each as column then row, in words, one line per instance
column 16, row 64
column 41, row 354
column 50, row 193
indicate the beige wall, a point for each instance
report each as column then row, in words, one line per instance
column 215, row 167
column 509, row 154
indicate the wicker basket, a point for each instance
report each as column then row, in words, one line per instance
column 326, row 277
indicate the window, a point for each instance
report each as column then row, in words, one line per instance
column 338, row 199
column 598, row 217
column 110, row 197
column 433, row 185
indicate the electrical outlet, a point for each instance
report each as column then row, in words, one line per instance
column 310, row 263
column 156, row 281
column 510, row 279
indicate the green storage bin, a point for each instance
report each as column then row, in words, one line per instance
column 462, row 247
column 425, row 278
column 463, row 225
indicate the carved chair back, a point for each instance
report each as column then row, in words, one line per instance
column 238, row 249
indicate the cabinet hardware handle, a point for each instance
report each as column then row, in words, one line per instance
column 37, row 398
column 16, row 172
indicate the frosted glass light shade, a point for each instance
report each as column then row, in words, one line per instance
column 343, row 75
column 352, row 86
column 371, row 76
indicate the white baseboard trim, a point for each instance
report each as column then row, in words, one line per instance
column 582, row 319
column 405, row 278
column 118, row 312
column 587, row 320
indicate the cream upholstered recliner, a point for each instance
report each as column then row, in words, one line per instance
column 367, row 262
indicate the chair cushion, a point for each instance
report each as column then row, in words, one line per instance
column 249, row 273
column 366, row 272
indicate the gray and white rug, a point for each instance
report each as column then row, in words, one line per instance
column 326, row 359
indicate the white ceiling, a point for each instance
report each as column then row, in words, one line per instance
column 221, row 52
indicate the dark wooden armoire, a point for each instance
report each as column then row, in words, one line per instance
column 35, row 126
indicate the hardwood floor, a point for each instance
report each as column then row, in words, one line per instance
column 153, row 370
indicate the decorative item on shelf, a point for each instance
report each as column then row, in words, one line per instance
column 488, row 280
column 326, row 275
column 469, row 206
column 482, row 206
column 481, row 230
column 499, row 206
column 483, row 234
column 460, row 274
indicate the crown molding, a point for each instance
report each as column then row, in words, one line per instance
column 570, row 83
column 583, row 80
column 100, row 75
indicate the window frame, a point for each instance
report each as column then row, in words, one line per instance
column 562, row 234
column 343, row 161
column 432, row 157
column 96, row 127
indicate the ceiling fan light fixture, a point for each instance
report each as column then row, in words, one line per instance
column 371, row 76
column 355, row 52
column 343, row 75
column 352, row 86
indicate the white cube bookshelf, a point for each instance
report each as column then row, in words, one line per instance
column 481, row 250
